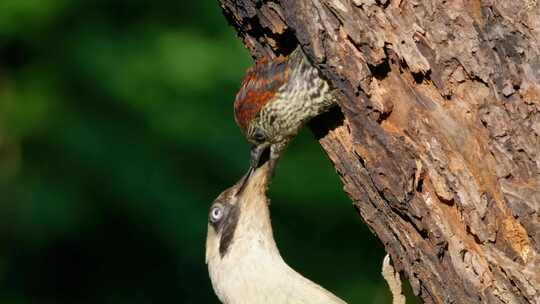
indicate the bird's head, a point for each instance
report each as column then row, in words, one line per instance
column 259, row 110
column 239, row 212
column 243, row 260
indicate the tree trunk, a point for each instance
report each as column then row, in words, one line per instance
column 438, row 143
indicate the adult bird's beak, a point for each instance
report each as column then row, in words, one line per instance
column 259, row 155
column 245, row 180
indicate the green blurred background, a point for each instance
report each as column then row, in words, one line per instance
column 117, row 132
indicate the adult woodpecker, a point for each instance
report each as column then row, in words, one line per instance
column 243, row 260
column 276, row 99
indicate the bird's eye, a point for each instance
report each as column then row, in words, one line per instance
column 259, row 136
column 216, row 213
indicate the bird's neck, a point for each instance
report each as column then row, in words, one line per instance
column 254, row 222
column 305, row 96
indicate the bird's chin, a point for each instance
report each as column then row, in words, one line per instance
column 211, row 245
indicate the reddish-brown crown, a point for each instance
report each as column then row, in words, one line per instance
column 259, row 88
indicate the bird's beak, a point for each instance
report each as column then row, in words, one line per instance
column 244, row 180
column 258, row 153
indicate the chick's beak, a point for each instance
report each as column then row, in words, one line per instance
column 258, row 153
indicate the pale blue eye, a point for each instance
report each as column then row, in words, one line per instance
column 216, row 213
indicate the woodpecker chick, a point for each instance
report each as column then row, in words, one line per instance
column 276, row 99
column 243, row 260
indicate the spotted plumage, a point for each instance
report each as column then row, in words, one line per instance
column 276, row 99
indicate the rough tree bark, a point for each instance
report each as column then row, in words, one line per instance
column 438, row 145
